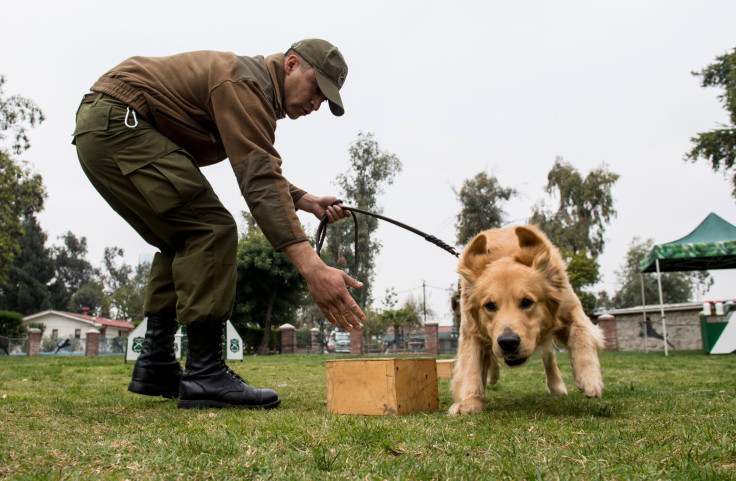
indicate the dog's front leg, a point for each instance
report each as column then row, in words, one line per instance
column 468, row 383
column 584, row 342
column 555, row 384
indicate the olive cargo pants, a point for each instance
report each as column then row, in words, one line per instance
column 158, row 189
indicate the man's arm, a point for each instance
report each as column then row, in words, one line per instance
column 327, row 286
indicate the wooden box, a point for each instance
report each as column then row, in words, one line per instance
column 445, row 368
column 381, row 386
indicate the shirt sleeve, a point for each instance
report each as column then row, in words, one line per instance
column 247, row 125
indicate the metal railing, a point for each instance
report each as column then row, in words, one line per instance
column 13, row 346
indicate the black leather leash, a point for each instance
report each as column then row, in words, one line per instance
column 322, row 230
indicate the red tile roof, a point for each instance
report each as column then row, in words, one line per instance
column 101, row 320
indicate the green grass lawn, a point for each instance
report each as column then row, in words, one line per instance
column 68, row 417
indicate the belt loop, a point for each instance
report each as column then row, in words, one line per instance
column 99, row 96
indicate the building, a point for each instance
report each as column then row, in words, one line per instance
column 626, row 329
column 60, row 324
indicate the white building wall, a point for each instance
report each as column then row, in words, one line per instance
column 66, row 326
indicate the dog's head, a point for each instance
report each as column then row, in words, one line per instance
column 511, row 300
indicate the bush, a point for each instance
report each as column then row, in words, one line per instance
column 252, row 337
column 11, row 324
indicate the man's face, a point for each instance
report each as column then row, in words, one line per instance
column 302, row 95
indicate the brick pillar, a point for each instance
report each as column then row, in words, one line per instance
column 34, row 341
column 288, row 338
column 356, row 342
column 92, row 347
column 431, row 338
column 607, row 323
column 315, row 344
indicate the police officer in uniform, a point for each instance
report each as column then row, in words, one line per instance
column 142, row 135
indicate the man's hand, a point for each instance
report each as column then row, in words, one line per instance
column 327, row 286
column 319, row 206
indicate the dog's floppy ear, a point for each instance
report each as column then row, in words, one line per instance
column 474, row 258
column 552, row 272
column 532, row 243
column 536, row 251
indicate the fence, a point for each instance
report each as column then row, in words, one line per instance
column 420, row 341
column 10, row 346
column 289, row 341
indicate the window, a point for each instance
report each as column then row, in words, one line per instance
column 78, row 333
column 54, row 333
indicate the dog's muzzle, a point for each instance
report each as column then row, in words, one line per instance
column 509, row 344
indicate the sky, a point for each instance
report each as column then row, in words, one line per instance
column 451, row 88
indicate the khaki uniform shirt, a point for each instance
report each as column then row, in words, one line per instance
column 218, row 105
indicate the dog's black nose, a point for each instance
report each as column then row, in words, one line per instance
column 508, row 342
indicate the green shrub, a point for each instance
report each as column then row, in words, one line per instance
column 252, row 337
column 11, row 324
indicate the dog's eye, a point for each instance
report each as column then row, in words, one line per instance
column 490, row 307
column 526, row 303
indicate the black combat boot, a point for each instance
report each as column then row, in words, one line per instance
column 157, row 372
column 207, row 382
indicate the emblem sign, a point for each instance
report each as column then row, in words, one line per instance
column 137, row 344
column 234, row 345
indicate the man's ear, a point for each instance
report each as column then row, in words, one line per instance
column 291, row 63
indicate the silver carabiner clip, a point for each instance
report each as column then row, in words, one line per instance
column 135, row 119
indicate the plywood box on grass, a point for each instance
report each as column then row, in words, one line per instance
column 445, row 368
column 381, row 386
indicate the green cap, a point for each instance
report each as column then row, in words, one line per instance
column 330, row 69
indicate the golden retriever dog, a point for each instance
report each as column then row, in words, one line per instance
column 516, row 299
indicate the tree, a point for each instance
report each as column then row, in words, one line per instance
column 72, row 270
column 26, row 289
column 128, row 299
column 676, row 286
column 577, row 226
column 17, row 114
column 90, row 295
column 123, row 292
column 371, row 169
column 719, row 146
column 480, row 206
column 21, row 190
column 269, row 287
column 407, row 316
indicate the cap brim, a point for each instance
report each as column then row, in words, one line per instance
column 331, row 92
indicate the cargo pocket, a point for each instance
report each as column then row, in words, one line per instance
column 91, row 119
column 168, row 182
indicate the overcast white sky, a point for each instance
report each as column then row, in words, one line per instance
column 451, row 88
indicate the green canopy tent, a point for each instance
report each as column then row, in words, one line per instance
column 712, row 245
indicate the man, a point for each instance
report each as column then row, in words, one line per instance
column 142, row 135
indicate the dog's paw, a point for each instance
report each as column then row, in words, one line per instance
column 470, row 405
column 557, row 388
column 591, row 386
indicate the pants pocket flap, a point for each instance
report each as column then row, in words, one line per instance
column 93, row 120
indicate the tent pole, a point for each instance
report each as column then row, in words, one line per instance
column 644, row 315
column 661, row 306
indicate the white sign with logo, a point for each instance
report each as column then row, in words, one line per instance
column 138, row 335
column 233, row 344
column 135, row 341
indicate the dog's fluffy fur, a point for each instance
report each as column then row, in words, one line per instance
column 515, row 299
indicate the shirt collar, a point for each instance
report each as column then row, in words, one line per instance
column 275, row 64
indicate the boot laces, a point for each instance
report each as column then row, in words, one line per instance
column 230, row 372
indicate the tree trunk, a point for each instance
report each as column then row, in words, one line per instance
column 263, row 348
